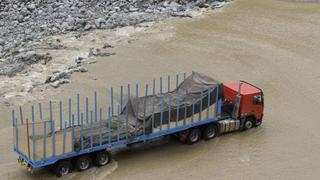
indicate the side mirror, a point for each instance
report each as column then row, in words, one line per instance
column 257, row 99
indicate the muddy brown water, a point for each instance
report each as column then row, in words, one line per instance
column 272, row 44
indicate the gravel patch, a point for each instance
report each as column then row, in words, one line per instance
column 23, row 23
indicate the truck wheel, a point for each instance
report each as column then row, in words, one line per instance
column 248, row 124
column 83, row 163
column 209, row 132
column 193, row 136
column 102, row 158
column 63, row 168
column 258, row 123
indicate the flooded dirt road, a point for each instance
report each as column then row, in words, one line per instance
column 272, row 44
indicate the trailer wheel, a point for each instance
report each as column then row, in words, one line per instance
column 63, row 168
column 209, row 132
column 193, row 136
column 102, row 158
column 248, row 123
column 83, row 163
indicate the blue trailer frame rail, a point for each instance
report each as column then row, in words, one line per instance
column 41, row 143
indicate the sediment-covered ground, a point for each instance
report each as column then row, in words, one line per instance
column 272, row 44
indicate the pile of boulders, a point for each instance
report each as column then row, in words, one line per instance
column 24, row 22
column 16, row 63
column 63, row 76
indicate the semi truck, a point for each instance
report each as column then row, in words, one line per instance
column 76, row 137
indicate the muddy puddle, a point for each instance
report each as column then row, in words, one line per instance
column 273, row 44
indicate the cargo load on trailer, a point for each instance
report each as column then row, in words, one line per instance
column 190, row 97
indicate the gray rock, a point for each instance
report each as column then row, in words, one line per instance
column 107, row 45
column 98, row 52
column 93, row 62
column 57, row 84
column 79, row 60
column 65, row 74
column 99, row 22
column 87, row 27
column 133, row 9
column 2, row 42
column 83, row 69
column 31, row 7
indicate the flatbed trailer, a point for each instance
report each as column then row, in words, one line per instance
column 54, row 142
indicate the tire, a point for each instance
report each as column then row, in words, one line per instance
column 209, row 132
column 248, row 124
column 258, row 123
column 63, row 168
column 102, row 158
column 83, row 163
column 193, row 136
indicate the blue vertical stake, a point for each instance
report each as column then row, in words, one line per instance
column 100, row 128
column 112, row 111
column 118, row 122
column 154, row 87
column 95, row 107
column 53, row 139
column 153, row 93
column 208, row 105
column 201, row 107
column 40, row 112
column 136, row 118
column 50, row 106
column 144, row 109
column 160, row 85
column 60, row 105
column 78, row 109
column 87, row 110
column 69, row 105
column 152, row 120
column 81, row 132
column 109, row 125
column 127, row 112
column 185, row 108
column 91, row 130
column 161, row 113
column 169, row 112
column 33, row 134
column 168, row 84
column 64, row 137
column 13, row 119
column 177, row 80
column 72, row 132
column 121, row 98
column 17, row 134
column 178, row 109
column 192, row 118
column 21, row 115
column 216, row 103
column 44, row 140
column 137, row 109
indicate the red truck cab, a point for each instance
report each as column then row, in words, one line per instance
column 247, row 98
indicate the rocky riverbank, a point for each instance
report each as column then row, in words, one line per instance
column 24, row 23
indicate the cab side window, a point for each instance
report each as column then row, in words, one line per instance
column 257, row 99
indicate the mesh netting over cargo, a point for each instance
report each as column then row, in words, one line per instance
column 148, row 112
